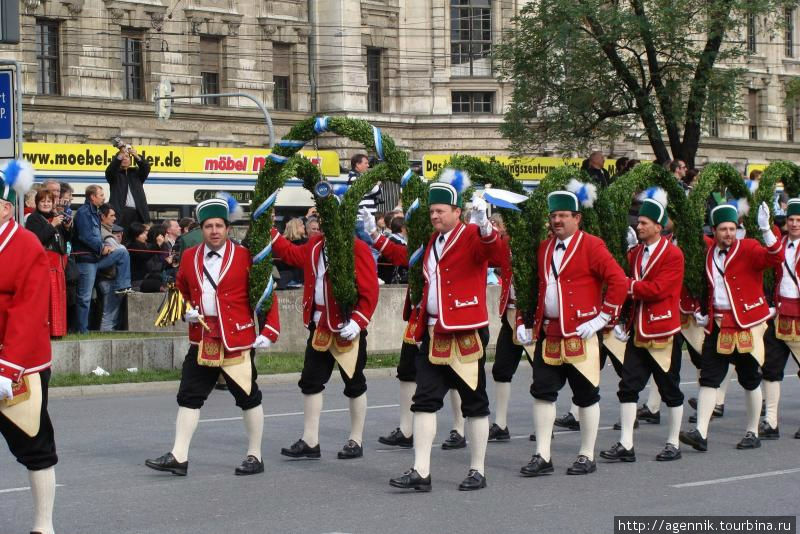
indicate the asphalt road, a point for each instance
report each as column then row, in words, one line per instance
column 104, row 486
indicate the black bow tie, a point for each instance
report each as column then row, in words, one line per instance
column 441, row 238
column 561, row 246
column 723, row 252
column 213, row 253
column 791, row 245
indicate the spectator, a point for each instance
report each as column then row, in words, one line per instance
column 71, row 269
column 48, row 227
column 391, row 274
column 92, row 254
column 596, row 170
column 690, row 179
column 312, row 227
column 186, row 224
column 141, row 254
column 291, row 277
column 192, row 236
column 109, row 317
column 678, row 169
column 755, row 174
column 30, row 203
column 631, row 164
column 55, row 189
column 127, row 186
column 621, row 167
column 172, row 231
column 359, row 164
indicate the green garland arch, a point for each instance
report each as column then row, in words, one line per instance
column 337, row 219
column 784, row 172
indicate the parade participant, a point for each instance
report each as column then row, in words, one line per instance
column 783, row 336
column 736, row 320
column 653, row 347
column 25, row 348
column 214, row 278
column 571, row 310
column 453, row 327
column 403, row 436
column 333, row 339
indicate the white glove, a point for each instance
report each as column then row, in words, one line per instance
column 350, row 331
column 477, row 214
column 262, row 342
column 590, row 328
column 524, row 335
column 192, row 316
column 763, row 217
column 621, row 334
column 6, row 392
column 702, row 320
column 370, row 227
column 771, row 312
column 632, row 238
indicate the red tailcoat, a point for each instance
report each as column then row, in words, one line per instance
column 744, row 268
column 505, row 275
column 237, row 320
column 397, row 255
column 586, row 266
column 24, row 303
column 306, row 257
column 657, row 291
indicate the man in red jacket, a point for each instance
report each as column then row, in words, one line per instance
column 334, row 338
column 452, row 328
column 25, row 357
column 654, row 348
column 214, row 278
column 738, row 313
column 573, row 268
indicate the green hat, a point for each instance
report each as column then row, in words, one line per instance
column 724, row 213
column 7, row 193
column 793, row 208
column 442, row 193
column 654, row 210
column 211, row 209
column 563, row 201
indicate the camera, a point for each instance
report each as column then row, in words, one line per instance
column 116, row 142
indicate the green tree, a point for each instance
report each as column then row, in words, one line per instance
column 597, row 70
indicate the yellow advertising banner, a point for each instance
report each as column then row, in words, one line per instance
column 177, row 159
column 520, row 168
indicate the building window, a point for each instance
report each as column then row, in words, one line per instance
column 789, row 37
column 790, row 127
column 48, row 77
column 713, row 123
column 210, row 62
column 473, row 101
column 471, row 37
column 374, row 80
column 282, row 76
column 751, row 33
column 133, row 66
column 752, row 110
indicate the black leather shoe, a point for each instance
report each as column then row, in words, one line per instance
column 749, row 441
column 618, row 424
column 499, row 434
column 719, row 410
column 670, row 452
column 474, row 481
column 767, row 432
column 411, row 480
column 618, row 453
column 350, row 450
column 693, row 402
column 396, row 438
column 568, row 421
column 250, row 466
column 694, row 439
column 797, row 434
column 582, row 466
column 168, row 462
column 532, row 437
column 300, row 449
column 537, row 467
column 647, row 416
column 455, row 441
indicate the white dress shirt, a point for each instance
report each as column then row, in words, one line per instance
column 721, row 301
column 788, row 287
column 431, row 267
column 647, row 253
column 319, row 284
column 552, row 308
column 212, row 261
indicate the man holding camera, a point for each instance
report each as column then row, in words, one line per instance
column 127, row 185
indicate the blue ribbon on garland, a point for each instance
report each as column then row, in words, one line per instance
column 280, row 160
column 376, row 134
column 266, row 294
column 258, row 258
column 416, row 256
column 321, row 124
column 288, row 143
column 267, row 204
column 406, row 177
column 411, row 209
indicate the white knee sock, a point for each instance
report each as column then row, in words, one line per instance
column 407, row 390
column 424, row 433
column 675, row 416
column 254, row 424
column 627, row 418
column 478, row 435
column 185, row 425
column 654, row 398
column 458, row 419
column 590, row 423
column 544, row 414
column 772, row 393
column 753, row 402
column 502, row 392
column 705, row 407
column 723, row 388
column 312, row 407
column 43, row 490
column 575, row 411
column 358, row 414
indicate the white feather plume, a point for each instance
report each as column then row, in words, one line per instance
column 457, row 178
column 586, row 193
column 656, row 193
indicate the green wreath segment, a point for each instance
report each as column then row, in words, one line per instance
column 337, row 213
column 414, row 192
column 784, row 172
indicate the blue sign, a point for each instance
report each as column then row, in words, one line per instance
column 6, row 99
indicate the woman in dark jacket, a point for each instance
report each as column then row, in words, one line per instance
column 49, row 228
column 145, row 257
